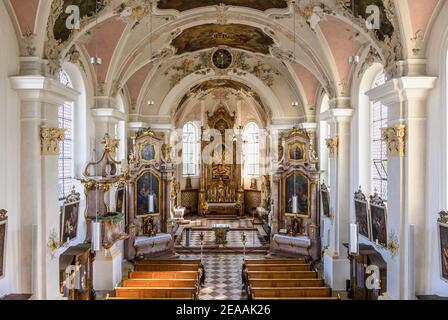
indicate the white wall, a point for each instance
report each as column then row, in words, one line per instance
column 9, row 150
column 437, row 148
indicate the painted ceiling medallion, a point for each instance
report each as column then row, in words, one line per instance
column 182, row 5
column 213, row 35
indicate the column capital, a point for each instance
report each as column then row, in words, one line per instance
column 337, row 115
column 308, row 126
column 38, row 88
column 108, row 114
column 402, row 89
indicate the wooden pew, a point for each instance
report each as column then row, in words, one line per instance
column 163, row 275
column 185, row 293
column 108, row 297
column 282, row 274
column 279, row 267
column 164, row 283
column 166, row 267
column 275, row 261
column 183, row 261
column 286, row 293
column 285, row 283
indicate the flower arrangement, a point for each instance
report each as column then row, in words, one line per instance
column 53, row 242
column 392, row 244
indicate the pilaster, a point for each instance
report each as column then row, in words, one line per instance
column 40, row 97
column 406, row 139
column 336, row 264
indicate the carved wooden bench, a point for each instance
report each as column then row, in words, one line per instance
column 166, row 267
column 163, row 275
column 279, row 267
column 282, row 274
column 130, row 292
column 274, row 261
column 285, row 283
column 290, row 293
column 157, row 283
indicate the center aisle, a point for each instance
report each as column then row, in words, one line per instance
column 222, row 275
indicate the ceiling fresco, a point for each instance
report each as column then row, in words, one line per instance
column 233, row 35
column 183, row 5
column 228, row 85
column 87, row 8
column 360, row 10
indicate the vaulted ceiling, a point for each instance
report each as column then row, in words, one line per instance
column 282, row 51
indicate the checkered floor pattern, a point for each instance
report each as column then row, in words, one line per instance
column 234, row 224
column 253, row 239
column 222, row 276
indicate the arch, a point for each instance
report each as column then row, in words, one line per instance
column 175, row 95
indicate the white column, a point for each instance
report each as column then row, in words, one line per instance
column 406, row 101
column 336, row 264
column 39, row 270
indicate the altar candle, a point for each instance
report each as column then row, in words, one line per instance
column 295, row 204
column 151, row 203
column 353, row 238
column 96, row 235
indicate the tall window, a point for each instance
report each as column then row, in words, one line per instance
column 378, row 146
column 65, row 163
column 252, row 137
column 190, row 149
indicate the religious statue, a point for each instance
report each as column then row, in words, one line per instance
column 174, row 191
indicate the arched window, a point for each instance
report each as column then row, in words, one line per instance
column 190, row 149
column 378, row 148
column 252, row 152
column 65, row 161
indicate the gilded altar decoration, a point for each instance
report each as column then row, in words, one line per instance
column 395, row 138
column 333, row 145
column 110, row 145
column 166, row 153
column 50, row 138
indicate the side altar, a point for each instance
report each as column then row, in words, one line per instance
column 221, row 185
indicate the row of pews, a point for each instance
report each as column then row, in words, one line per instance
column 283, row 279
column 162, row 279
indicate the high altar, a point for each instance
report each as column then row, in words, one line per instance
column 221, row 186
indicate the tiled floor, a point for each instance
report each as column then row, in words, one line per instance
column 253, row 239
column 222, row 276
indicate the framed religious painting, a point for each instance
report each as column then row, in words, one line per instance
column 147, row 152
column 325, row 199
column 70, row 217
column 147, row 194
column 297, row 194
column 362, row 214
column 120, row 200
column 3, row 233
column 378, row 220
column 296, row 151
column 443, row 236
